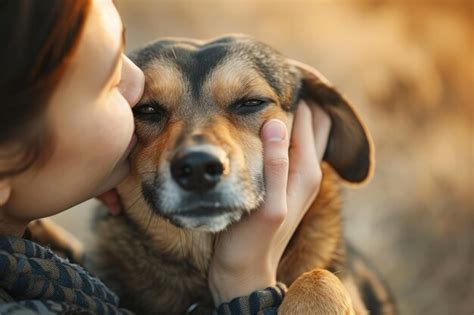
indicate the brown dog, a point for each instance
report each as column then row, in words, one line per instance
column 198, row 168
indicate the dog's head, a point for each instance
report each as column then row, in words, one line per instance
column 199, row 156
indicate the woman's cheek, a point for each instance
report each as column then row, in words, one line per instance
column 119, row 124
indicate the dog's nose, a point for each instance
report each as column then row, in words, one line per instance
column 196, row 171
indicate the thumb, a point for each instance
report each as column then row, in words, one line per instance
column 275, row 157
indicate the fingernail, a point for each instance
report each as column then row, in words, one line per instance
column 274, row 130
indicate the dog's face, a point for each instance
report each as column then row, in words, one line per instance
column 199, row 157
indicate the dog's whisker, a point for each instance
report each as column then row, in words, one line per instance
column 134, row 202
column 174, row 53
column 148, row 172
column 133, row 190
column 149, row 221
column 180, row 245
column 192, row 241
column 186, row 238
column 183, row 243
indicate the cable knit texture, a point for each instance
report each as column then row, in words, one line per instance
column 33, row 280
column 261, row 302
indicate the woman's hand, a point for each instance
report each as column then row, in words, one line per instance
column 248, row 253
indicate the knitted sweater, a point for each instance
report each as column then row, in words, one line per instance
column 33, row 280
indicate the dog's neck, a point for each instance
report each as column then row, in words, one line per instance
column 178, row 245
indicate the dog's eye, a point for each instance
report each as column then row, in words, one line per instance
column 252, row 103
column 151, row 112
column 145, row 109
column 249, row 106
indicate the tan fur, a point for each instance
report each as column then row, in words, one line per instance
column 177, row 259
column 232, row 81
column 317, row 292
column 168, row 87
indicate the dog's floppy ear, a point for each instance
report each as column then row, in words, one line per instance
column 349, row 150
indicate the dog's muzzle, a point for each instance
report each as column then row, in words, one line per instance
column 197, row 189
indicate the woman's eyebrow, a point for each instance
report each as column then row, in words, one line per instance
column 116, row 59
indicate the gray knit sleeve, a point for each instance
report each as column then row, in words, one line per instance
column 48, row 307
column 261, row 302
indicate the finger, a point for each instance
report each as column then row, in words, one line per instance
column 258, row 229
column 112, row 201
column 322, row 127
column 5, row 192
column 304, row 165
column 302, row 150
column 305, row 172
column 276, row 162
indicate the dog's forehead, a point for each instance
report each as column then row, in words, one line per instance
column 189, row 52
column 197, row 59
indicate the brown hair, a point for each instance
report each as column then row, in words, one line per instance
column 38, row 38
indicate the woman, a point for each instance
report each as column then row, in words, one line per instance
column 66, row 130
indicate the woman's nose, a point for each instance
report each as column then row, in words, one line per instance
column 132, row 83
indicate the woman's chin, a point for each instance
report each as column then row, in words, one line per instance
column 116, row 177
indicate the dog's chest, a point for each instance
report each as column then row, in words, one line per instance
column 152, row 272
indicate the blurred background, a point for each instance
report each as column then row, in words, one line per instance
column 408, row 67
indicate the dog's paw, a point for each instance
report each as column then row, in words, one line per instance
column 317, row 292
